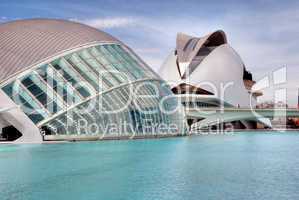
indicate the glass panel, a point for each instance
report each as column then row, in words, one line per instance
column 138, row 62
column 31, row 103
column 40, row 91
column 36, row 117
column 107, row 54
column 99, row 56
column 61, row 87
column 127, row 61
column 84, row 70
column 113, row 64
column 106, row 75
column 70, row 76
column 22, row 98
column 121, row 73
column 8, row 89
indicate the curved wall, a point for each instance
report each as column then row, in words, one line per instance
column 223, row 67
column 169, row 70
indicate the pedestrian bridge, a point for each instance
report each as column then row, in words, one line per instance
column 214, row 116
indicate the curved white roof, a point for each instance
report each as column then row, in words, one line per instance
column 208, row 63
column 185, row 57
column 187, row 46
column 27, row 42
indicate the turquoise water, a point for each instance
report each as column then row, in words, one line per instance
column 239, row 166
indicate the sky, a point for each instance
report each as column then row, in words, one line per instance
column 265, row 33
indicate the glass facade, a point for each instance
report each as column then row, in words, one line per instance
column 99, row 90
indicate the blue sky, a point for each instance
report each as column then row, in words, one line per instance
column 265, row 33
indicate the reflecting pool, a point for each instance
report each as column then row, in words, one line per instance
column 238, row 166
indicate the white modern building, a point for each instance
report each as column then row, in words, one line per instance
column 63, row 80
column 208, row 72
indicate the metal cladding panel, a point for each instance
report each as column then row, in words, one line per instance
column 185, row 54
column 27, row 42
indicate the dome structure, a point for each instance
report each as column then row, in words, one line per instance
column 63, row 80
column 24, row 43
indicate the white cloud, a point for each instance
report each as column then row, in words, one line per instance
column 108, row 23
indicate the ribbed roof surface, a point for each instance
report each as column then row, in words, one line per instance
column 27, row 42
column 186, row 54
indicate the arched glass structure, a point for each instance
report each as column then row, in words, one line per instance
column 98, row 89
